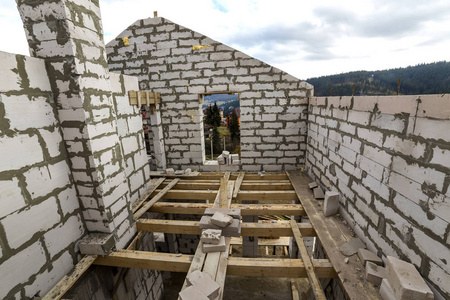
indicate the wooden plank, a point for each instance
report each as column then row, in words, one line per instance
column 69, row 280
column 295, row 291
column 330, row 235
column 260, row 267
column 277, row 267
column 246, row 209
column 243, row 195
column 146, row 260
column 197, row 263
column 237, row 187
column 247, row 229
column 153, row 186
column 223, row 191
column 281, row 241
column 155, row 199
column 312, row 276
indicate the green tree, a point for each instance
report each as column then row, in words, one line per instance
column 233, row 126
column 215, row 118
column 209, row 115
column 217, row 146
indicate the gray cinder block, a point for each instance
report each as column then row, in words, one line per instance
column 331, row 203
column 375, row 273
column 406, row 281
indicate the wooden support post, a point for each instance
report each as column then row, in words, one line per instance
column 155, row 199
column 69, row 280
column 237, row 186
column 312, row 276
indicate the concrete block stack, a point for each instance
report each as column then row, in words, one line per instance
column 218, row 223
column 200, row 286
column 228, row 159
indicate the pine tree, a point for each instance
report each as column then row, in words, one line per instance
column 217, row 146
column 209, row 115
column 215, row 119
column 233, row 126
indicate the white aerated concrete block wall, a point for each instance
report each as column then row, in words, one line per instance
column 273, row 103
column 388, row 157
column 40, row 214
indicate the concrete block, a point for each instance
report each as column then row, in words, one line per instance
column 220, row 219
column 368, row 256
column 331, row 203
column 386, row 291
column 318, row 193
column 375, row 273
column 234, row 213
column 203, row 282
column 406, row 281
column 192, row 293
column 220, row 247
column 234, row 229
column 170, row 171
column 351, row 247
column 211, row 236
column 97, row 243
column 225, row 154
column 313, row 185
column 187, row 171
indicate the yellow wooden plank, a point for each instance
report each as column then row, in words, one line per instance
column 237, row 187
column 247, row 229
column 155, row 199
column 242, row 195
column 312, row 276
column 246, row 209
column 260, row 267
column 69, row 280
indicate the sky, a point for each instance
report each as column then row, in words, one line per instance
column 304, row 38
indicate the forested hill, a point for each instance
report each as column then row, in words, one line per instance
column 431, row 78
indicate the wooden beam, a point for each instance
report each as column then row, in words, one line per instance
column 215, row 185
column 155, row 199
column 312, row 276
column 154, row 185
column 58, row 291
column 331, row 235
column 260, row 267
column 276, row 267
column 243, row 195
column 247, row 229
column 281, row 241
column 246, row 209
column 146, row 260
column 238, row 183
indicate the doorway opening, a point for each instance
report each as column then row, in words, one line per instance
column 221, row 124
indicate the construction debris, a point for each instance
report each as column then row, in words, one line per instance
column 368, row 256
column 219, row 247
column 313, row 185
column 375, row 273
column 220, row 219
column 203, row 283
column 211, row 236
column 318, row 193
column 351, row 247
column 386, row 291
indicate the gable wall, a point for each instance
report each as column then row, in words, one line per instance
column 273, row 103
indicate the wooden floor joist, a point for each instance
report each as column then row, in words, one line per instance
column 310, row 271
column 260, row 267
column 247, row 229
column 242, row 195
column 246, row 209
column 162, row 193
column 153, row 186
column 239, row 180
column 58, row 291
column 245, row 186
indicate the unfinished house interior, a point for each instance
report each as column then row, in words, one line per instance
column 329, row 197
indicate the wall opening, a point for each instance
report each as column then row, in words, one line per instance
column 221, row 124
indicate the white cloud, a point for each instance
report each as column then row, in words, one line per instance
column 306, row 39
